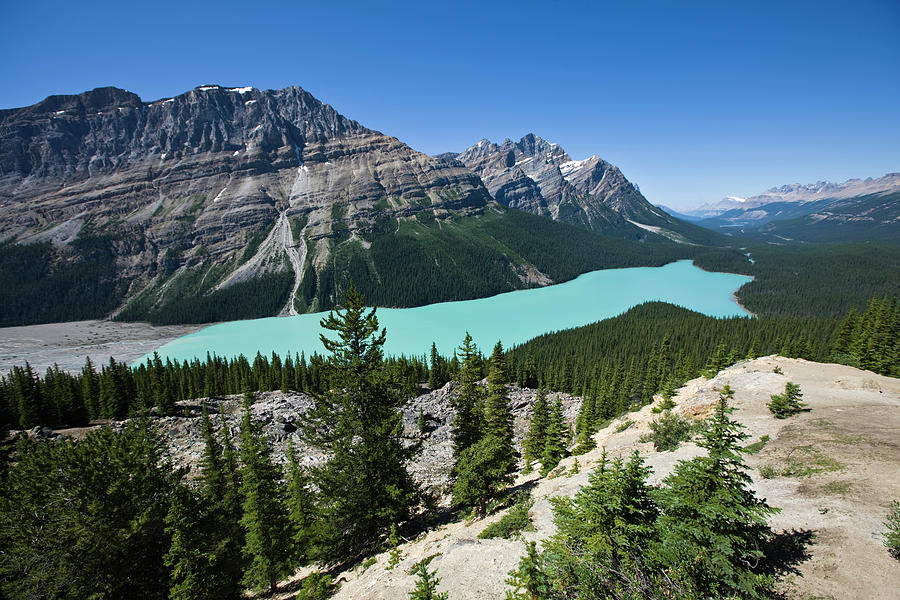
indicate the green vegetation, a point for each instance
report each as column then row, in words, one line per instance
column 485, row 457
column 787, row 404
column 426, row 582
column 42, row 284
column 87, row 519
column 871, row 340
column 260, row 297
column 892, row 535
column 514, row 521
column 755, row 447
column 703, row 534
column 364, row 488
column 668, row 431
column 802, row 461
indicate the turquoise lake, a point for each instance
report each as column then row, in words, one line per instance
column 512, row 318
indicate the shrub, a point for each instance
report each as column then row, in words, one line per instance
column 669, row 430
column 892, row 535
column 787, row 404
column 316, row 586
column 623, row 426
column 514, row 521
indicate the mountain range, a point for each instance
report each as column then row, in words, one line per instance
column 823, row 211
column 234, row 202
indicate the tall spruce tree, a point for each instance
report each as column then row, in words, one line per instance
column 498, row 419
column 469, row 404
column 485, row 468
column 267, row 542
column 364, row 487
column 300, row 507
column 712, row 520
column 556, row 439
column 536, row 438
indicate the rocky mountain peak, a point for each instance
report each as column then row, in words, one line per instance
column 234, row 181
column 538, row 176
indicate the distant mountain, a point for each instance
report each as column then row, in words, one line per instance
column 858, row 209
column 224, row 203
column 677, row 214
column 773, row 203
column 873, row 217
column 539, row 177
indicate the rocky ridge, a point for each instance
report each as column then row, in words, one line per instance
column 831, row 470
column 752, row 207
column 539, row 177
column 853, row 420
column 185, row 185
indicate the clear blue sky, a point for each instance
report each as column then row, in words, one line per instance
column 692, row 100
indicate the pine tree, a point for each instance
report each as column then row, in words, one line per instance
column 435, row 373
column 787, row 404
column 364, row 488
column 556, row 439
column 536, row 438
column 300, row 507
column 712, row 520
column 467, row 424
column 485, row 468
column 498, row 419
column 267, row 545
column 195, row 554
column 85, row 519
column 426, row 583
column 481, row 474
column 90, row 389
column 529, row 580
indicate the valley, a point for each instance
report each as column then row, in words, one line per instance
column 193, row 387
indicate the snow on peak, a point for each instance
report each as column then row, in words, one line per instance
column 567, row 168
column 241, row 90
column 736, row 198
column 206, row 88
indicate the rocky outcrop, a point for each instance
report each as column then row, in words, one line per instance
column 187, row 184
column 538, row 176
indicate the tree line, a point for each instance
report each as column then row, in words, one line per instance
column 616, row 365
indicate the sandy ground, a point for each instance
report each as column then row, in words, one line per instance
column 849, row 444
column 68, row 344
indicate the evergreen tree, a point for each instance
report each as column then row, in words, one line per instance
column 529, row 580
column 485, row 468
column 498, row 419
column 787, row 404
column 426, row 583
column 194, row 556
column 712, row 520
column 267, row 545
column 364, row 488
column 300, row 507
column 536, row 438
column 556, row 439
column 85, row 519
column 221, row 502
column 469, row 404
column 90, row 389
column 481, row 474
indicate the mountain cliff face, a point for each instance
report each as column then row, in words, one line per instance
column 537, row 176
column 211, row 188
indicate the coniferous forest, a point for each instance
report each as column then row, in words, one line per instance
column 247, row 523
